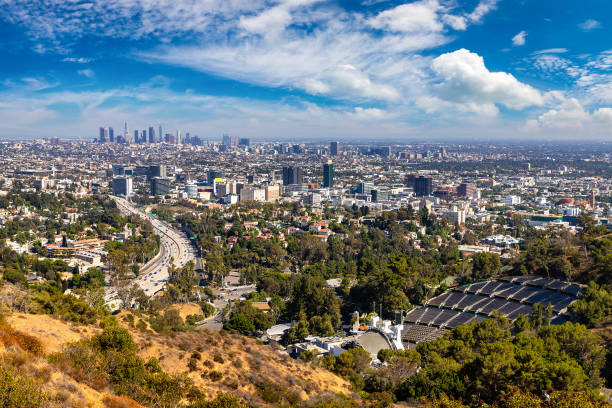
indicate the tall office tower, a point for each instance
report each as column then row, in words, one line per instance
column 111, row 134
column 292, row 175
column 161, row 135
column 178, row 137
column 122, row 185
column 136, row 138
column 328, row 175
column 102, row 138
column 143, row 136
column 423, row 186
column 151, row 134
column 334, row 148
column 158, row 171
column 243, row 141
column 409, row 180
column 227, row 141
column 126, row 134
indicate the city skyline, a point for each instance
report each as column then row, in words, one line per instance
column 429, row 70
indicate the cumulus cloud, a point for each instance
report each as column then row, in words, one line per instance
column 465, row 79
column 519, row 39
column 590, row 25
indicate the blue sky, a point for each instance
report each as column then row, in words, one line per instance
column 309, row 69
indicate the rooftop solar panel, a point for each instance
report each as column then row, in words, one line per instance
column 572, row 289
column 522, row 309
column 519, row 280
column 475, row 287
column 539, row 282
column 557, row 284
column 462, row 318
column 439, row 300
column 475, row 302
column 525, row 292
column 508, row 291
column 455, row 298
column 495, row 304
column 414, row 315
column 492, row 287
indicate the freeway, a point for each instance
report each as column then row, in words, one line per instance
column 175, row 248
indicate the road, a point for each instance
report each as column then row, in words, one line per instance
column 175, row 248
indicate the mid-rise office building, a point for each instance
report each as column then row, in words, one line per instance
column 467, row 190
column 292, row 175
column 272, row 192
column 423, row 186
column 160, row 186
column 252, row 194
column 122, row 185
column 157, row 171
column 243, row 141
column 191, row 188
column 365, row 188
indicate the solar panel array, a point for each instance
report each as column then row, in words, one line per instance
column 512, row 296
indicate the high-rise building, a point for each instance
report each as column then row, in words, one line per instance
column 334, row 148
column 111, row 134
column 292, row 175
column 423, row 186
column 126, row 134
column 160, row 186
column 103, row 132
column 143, row 136
column 178, row 137
column 136, row 138
column 157, row 171
column 409, row 180
column 243, row 141
column 151, row 134
column 227, row 140
column 328, row 175
column 160, row 134
column 122, row 185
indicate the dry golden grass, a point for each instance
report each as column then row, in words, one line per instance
column 216, row 362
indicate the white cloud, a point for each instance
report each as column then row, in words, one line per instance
column 420, row 16
column 466, row 80
column 483, row 8
column 86, row 73
column 347, row 80
column 519, row 39
column 550, row 51
column 590, row 25
column 78, row 60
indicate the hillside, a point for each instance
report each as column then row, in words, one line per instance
column 218, row 362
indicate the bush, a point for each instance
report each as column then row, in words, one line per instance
column 19, row 391
column 114, row 338
column 215, row 375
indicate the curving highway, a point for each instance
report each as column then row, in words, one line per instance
column 175, row 248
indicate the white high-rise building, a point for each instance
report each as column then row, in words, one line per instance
column 178, row 137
